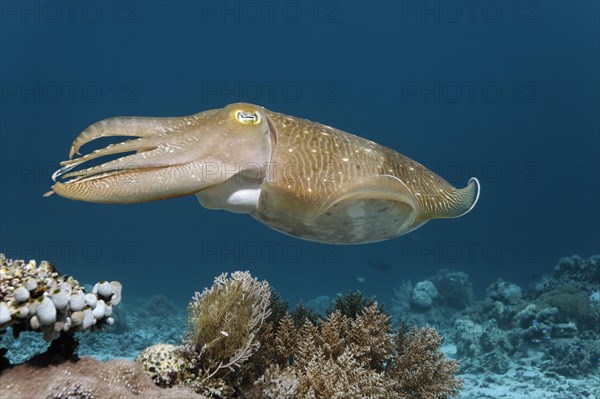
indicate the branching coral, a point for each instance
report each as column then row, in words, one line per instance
column 345, row 357
column 351, row 304
column 333, row 360
column 302, row 312
column 418, row 369
column 342, row 377
column 285, row 341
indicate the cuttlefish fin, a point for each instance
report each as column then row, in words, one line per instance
column 466, row 199
column 450, row 202
column 384, row 190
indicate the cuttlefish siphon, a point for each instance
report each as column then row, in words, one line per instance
column 298, row 177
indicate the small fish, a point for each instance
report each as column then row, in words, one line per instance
column 382, row 266
column 361, row 280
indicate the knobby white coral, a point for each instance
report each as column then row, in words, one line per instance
column 39, row 298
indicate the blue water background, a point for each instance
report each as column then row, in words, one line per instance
column 392, row 72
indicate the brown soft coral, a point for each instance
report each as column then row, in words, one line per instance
column 349, row 358
column 340, row 377
column 418, row 369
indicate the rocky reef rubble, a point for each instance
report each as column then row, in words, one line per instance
column 550, row 329
column 86, row 378
column 556, row 320
column 438, row 300
column 39, row 298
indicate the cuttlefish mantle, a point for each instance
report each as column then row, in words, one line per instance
column 296, row 176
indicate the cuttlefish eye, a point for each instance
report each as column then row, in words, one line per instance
column 247, row 118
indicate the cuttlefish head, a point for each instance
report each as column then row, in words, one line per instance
column 171, row 157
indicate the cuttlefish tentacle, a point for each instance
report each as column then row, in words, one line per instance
column 296, row 176
column 134, row 185
column 148, row 158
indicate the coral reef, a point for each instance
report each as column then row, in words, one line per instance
column 419, row 369
column 39, row 298
column 504, row 292
column 438, row 300
column 582, row 273
column 550, row 330
column 516, row 342
column 547, row 333
column 242, row 342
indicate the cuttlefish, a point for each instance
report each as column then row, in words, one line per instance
column 296, row 176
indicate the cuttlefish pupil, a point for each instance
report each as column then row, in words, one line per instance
column 296, row 176
column 247, row 117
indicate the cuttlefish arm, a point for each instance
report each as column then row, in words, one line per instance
column 296, row 176
column 133, row 126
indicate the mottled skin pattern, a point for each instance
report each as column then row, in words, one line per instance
column 299, row 177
